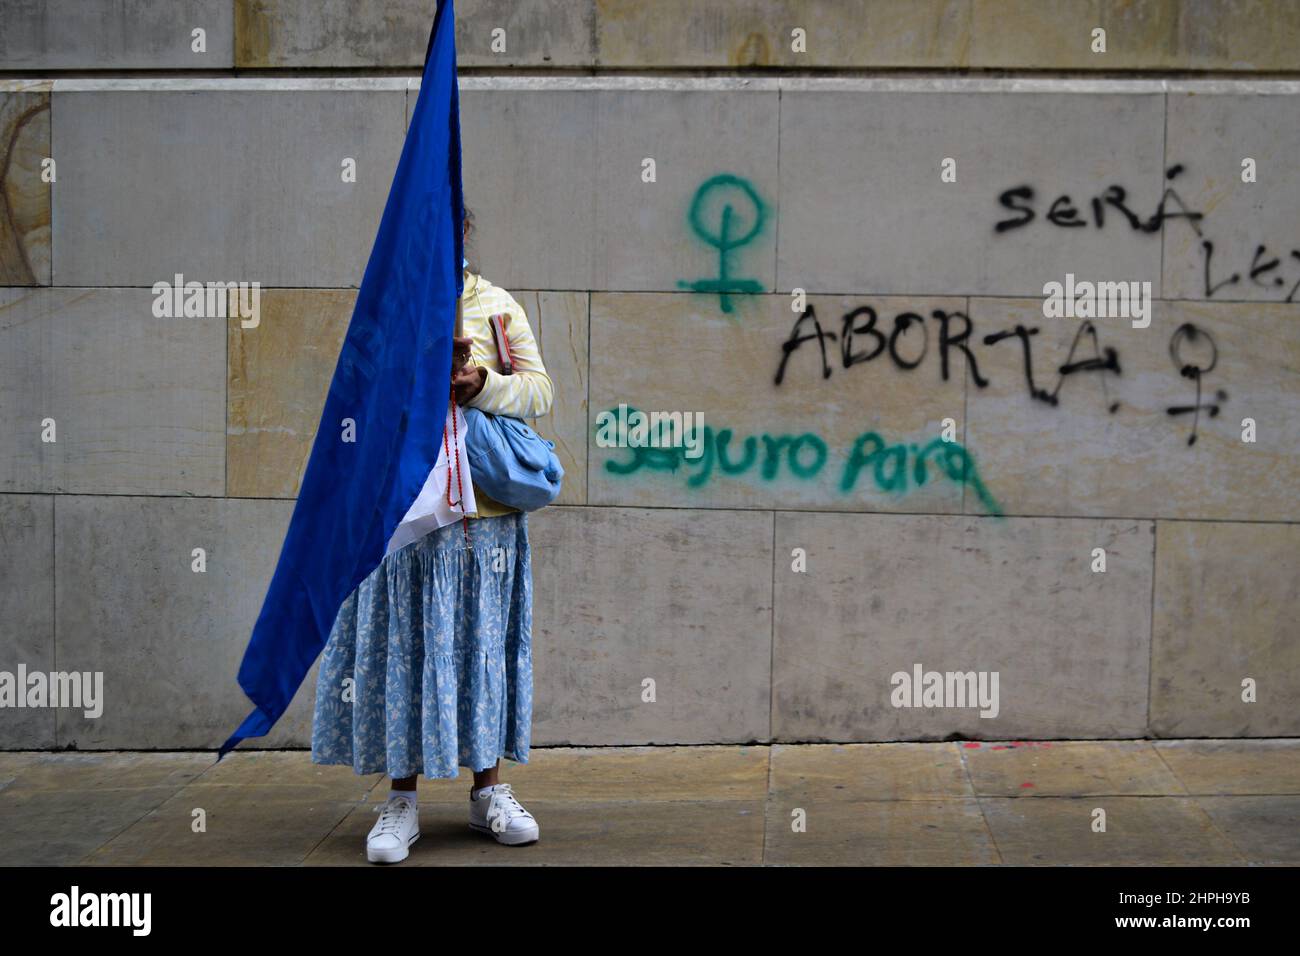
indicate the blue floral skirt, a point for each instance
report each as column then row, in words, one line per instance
column 429, row 664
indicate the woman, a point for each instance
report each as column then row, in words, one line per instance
column 429, row 664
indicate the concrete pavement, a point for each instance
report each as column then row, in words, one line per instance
column 1169, row 802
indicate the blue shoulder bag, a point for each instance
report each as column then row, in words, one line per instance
column 510, row 461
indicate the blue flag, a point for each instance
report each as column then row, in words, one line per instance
column 381, row 429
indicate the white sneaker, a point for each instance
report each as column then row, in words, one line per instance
column 496, row 811
column 398, row 826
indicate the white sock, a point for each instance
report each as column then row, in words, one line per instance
column 475, row 793
column 408, row 794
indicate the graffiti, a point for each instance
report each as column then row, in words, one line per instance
column 1065, row 214
column 729, row 235
column 862, row 321
column 1106, row 360
column 888, row 464
column 907, row 344
column 727, row 214
column 892, row 469
column 1188, row 335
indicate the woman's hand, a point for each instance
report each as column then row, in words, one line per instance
column 460, row 352
column 468, row 382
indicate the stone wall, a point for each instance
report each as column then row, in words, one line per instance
column 1237, row 36
column 943, row 457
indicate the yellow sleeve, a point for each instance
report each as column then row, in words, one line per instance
column 528, row 392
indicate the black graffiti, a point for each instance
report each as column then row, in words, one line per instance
column 1103, row 360
column 795, row 340
column 1064, row 213
column 1210, row 288
column 862, row 322
column 906, row 343
column 1187, row 335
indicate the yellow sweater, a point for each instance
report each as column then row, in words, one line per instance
column 528, row 391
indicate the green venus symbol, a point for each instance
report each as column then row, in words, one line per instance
column 732, row 203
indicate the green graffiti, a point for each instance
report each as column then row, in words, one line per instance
column 888, row 465
column 893, row 469
column 728, row 236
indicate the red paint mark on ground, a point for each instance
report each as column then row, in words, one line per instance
column 972, row 746
column 1024, row 785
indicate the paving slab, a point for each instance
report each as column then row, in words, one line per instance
column 1140, row 831
column 57, row 808
column 270, row 808
column 1068, row 768
column 577, row 833
column 1234, row 766
column 879, row 833
column 610, row 806
column 873, row 804
column 599, row 774
column 35, row 772
column 857, row 772
column 1265, row 829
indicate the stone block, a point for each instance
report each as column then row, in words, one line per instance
column 760, row 33
column 168, row 639
column 826, row 437
column 865, row 207
column 352, row 34
column 885, row 594
column 1253, row 251
column 116, row 35
column 1227, row 597
column 24, row 191
column 563, row 318
column 529, row 166
column 678, row 597
column 135, row 404
column 223, row 180
column 26, row 611
column 1114, row 435
column 280, row 372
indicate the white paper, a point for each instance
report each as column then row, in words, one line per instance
column 430, row 510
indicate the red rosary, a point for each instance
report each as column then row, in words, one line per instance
column 460, row 488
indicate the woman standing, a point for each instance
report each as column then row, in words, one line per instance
column 429, row 664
